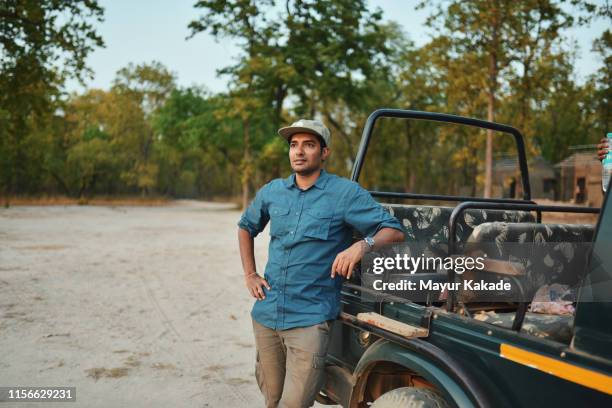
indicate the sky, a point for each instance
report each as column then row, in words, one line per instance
column 140, row 31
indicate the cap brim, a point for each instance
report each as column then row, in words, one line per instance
column 289, row 131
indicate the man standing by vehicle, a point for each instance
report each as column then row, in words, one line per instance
column 312, row 215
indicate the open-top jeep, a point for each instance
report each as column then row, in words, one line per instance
column 404, row 349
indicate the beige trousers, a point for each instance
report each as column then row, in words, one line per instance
column 290, row 363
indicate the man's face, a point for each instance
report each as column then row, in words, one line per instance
column 305, row 153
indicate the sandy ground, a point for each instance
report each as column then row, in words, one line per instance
column 134, row 306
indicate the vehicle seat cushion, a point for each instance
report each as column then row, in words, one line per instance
column 429, row 224
column 531, row 232
column 560, row 261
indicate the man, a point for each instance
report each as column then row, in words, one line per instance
column 312, row 215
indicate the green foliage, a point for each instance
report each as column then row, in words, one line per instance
column 333, row 60
column 87, row 161
column 319, row 55
column 602, row 84
column 501, row 59
column 42, row 43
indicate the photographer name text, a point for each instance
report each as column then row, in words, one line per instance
column 426, row 284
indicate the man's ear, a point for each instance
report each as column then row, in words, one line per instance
column 325, row 153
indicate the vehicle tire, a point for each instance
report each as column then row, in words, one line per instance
column 410, row 397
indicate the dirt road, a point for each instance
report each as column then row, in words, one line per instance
column 134, row 306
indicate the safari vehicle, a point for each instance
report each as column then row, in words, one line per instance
column 389, row 351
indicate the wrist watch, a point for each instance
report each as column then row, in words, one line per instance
column 370, row 242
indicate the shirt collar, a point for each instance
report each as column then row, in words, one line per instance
column 320, row 183
column 290, row 181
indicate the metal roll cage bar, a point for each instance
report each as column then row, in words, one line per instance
column 526, row 204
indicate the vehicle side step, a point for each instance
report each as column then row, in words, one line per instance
column 393, row 326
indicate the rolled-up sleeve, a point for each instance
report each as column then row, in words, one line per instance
column 256, row 216
column 367, row 216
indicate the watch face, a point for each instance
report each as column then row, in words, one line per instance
column 369, row 241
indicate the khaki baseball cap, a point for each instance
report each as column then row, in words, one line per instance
column 314, row 127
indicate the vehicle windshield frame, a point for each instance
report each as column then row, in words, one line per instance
column 443, row 118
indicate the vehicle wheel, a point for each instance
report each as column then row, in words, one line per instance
column 410, row 397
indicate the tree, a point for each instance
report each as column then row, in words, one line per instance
column 149, row 85
column 42, row 44
column 318, row 53
column 194, row 151
column 563, row 116
column 602, row 82
column 92, row 150
column 254, row 31
column 490, row 39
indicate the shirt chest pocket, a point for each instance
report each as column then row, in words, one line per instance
column 317, row 222
column 279, row 220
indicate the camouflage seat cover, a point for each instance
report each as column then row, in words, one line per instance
column 552, row 327
column 531, row 232
column 429, row 224
column 550, row 253
column 427, row 228
column 557, row 254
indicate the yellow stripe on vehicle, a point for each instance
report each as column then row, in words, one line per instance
column 570, row 372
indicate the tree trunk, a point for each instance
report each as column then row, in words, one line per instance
column 526, row 92
column 312, row 107
column 246, row 164
column 493, row 73
column 410, row 170
column 488, row 187
column 17, row 158
column 279, row 96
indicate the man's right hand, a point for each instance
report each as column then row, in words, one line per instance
column 602, row 148
column 254, row 284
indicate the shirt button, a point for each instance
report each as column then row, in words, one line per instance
column 297, row 213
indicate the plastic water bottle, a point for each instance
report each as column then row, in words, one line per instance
column 606, row 172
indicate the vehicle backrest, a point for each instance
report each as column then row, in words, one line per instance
column 429, row 224
column 550, row 253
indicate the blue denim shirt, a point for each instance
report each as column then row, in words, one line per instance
column 308, row 229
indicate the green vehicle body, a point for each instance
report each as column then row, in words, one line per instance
column 473, row 363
